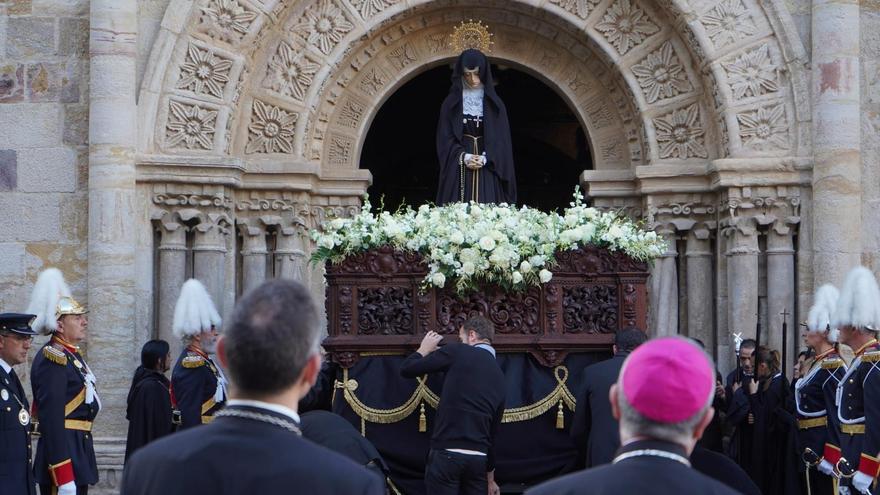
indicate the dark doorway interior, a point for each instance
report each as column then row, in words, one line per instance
column 549, row 146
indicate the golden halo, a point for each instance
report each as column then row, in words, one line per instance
column 471, row 34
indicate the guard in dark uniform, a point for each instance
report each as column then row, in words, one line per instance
column 858, row 394
column 16, row 336
column 65, row 395
column 664, row 385
column 198, row 386
column 816, row 390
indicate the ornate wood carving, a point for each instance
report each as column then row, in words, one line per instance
column 374, row 304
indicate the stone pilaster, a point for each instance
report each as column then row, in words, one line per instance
column 253, row 254
column 290, row 253
column 172, row 275
column 209, row 256
column 837, row 171
column 112, row 216
column 780, row 289
column 700, row 306
column 664, row 289
column 742, row 276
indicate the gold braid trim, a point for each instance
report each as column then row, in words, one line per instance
column 385, row 416
column 560, row 395
column 422, row 394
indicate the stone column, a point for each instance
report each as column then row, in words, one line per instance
column 209, row 256
column 290, row 254
column 253, row 255
column 112, row 218
column 172, row 275
column 699, row 287
column 742, row 278
column 837, row 190
column 780, row 290
column 664, row 290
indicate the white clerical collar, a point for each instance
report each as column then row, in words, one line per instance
column 278, row 408
column 5, row 366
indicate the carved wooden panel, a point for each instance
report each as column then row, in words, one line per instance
column 375, row 303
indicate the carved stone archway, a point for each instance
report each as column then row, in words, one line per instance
column 697, row 114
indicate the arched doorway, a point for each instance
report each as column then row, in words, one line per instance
column 549, row 145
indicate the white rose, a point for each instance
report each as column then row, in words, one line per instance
column 545, row 276
column 487, row 243
column 438, row 279
column 326, row 242
column 337, row 223
column 456, row 238
column 525, row 267
column 517, row 277
column 468, row 268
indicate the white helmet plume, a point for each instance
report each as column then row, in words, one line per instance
column 195, row 311
column 859, row 303
column 824, row 304
column 48, row 290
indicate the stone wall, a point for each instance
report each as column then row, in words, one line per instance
column 870, row 132
column 44, row 77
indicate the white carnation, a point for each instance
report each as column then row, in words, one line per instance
column 545, row 276
column 438, row 279
column 517, row 277
column 525, row 267
column 326, row 242
column 456, row 238
column 468, row 268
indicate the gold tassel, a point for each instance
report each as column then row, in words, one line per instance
column 423, row 421
column 560, row 417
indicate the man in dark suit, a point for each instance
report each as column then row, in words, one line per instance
column 663, row 401
column 16, row 336
column 462, row 455
column 594, row 429
column 254, row 445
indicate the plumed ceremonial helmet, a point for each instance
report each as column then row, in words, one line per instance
column 195, row 311
column 50, row 300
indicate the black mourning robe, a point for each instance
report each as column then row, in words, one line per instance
column 149, row 409
column 738, row 410
column 458, row 134
column 774, row 443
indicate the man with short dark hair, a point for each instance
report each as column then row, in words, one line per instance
column 16, row 336
column 254, row 444
column 594, row 429
column 736, row 402
column 663, row 401
column 462, row 456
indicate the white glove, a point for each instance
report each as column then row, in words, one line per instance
column 467, row 157
column 68, row 488
column 825, row 467
column 483, row 159
column 862, row 482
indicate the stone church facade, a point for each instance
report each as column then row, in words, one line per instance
column 143, row 142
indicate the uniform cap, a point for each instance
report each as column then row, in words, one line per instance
column 667, row 380
column 19, row 323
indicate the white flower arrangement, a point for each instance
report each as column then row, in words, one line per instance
column 473, row 243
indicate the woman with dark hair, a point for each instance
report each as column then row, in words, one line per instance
column 149, row 410
column 774, row 462
column 473, row 137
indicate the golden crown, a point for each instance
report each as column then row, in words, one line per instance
column 469, row 35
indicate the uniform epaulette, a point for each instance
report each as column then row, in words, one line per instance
column 871, row 357
column 55, row 355
column 832, row 363
column 193, row 361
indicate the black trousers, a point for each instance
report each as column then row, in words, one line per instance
column 452, row 473
column 50, row 489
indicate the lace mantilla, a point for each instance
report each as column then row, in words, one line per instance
column 472, row 101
